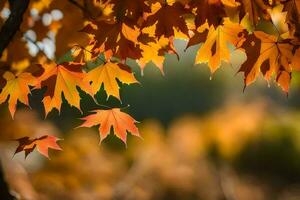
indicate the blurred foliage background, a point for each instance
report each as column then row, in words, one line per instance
column 203, row 138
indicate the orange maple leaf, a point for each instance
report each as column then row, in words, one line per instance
column 120, row 121
column 268, row 55
column 16, row 89
column 62, row 79
column 215, row 49
column 42, row 144
column 154, row 52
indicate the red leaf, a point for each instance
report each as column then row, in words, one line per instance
column 42, row 144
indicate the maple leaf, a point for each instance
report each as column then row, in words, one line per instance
column 143, row 30
column 120, row 121
column 154, row 51
column 168, row 18
column 117, row 37
column 130, row 9
column 268, row 55
column 107, row 75
column 42, row 144
column 198, row 36
column 16, row 89
column 215, row 49
column 83, row 54
column 62, row 79
column 210, row 11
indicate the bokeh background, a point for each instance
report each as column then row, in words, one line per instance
column 203, row 139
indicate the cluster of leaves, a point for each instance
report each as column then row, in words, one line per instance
column 267, row 31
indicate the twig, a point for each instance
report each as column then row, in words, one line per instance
column 35, row 44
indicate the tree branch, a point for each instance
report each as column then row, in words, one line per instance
column 13, row 23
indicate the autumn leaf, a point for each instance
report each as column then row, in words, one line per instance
column 278, row 18
column 107, row 75
column 42, row 144
column 17, row 88
column 198, row 36
column 216, row 47
column 117, row 37
column 154, row 49
column 83, row 54
column 130, row 9
column 168, row 18
column 268, row 31
column 269, row 56
column 154, row 52
column 113, row 118
column 210, row 11
column 62, row 79
column 252, row 48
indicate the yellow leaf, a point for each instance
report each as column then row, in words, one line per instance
column 215, row 49
column 279, row 21
column 130, row 33
column 107, row 75
column 120, row 121
column 16, row 89
column 150, row 52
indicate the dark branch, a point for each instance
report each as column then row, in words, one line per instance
column 75, row 3
column 13, row 23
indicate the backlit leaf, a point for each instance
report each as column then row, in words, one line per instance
column 107, row 75
column 42, row 144
column 17, row 88
column 121, row 123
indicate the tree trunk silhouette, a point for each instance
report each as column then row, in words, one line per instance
column 13, row 23
column 4, row 190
